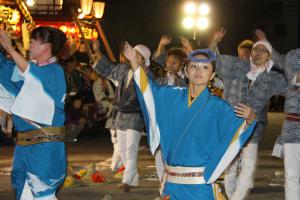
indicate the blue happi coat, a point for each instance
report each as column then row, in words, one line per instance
column 36, row 95
column 205, row 133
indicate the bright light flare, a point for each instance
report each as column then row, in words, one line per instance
column 190, row 8
column 81, row 15
column 203, row 9
column 30, row 2
column 188, row 22
column 202, row 23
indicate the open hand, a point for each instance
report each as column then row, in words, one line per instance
column 5, row 41
column 218, row 35
column 244, row 111
column 165, row 40
column 260, row 34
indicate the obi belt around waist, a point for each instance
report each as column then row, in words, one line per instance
column 185, row 175
column 47, row 134
column 293, row 117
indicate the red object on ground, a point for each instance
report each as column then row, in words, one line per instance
column 97, row 177
column 122, row 168
column 76, row 176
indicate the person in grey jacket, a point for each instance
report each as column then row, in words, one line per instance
column 248, row 84
column 290, row 135
column 129, row 121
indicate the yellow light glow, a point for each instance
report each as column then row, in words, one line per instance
column 190, row 8
column 81, row 15
column 188, row 22
column 30, row 2
column 86, row 6
column 98, row 8
column 203, row 9
column 15, row 17
column 202, row 23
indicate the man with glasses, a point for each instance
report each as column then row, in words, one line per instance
column 252, row 83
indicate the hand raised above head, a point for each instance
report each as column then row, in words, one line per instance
column 219, row 34
column 165, row 40
column 260, row 34
column 5, row 41
column 128, row 51
column 96, row 45
column 131, row 54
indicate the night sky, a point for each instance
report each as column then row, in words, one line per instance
column 144, row 21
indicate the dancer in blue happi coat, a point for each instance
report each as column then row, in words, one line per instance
column 199, row 133
column 33, row 92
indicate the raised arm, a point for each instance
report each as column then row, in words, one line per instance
column 105, row 67
column 160, row 54
column 20, row 61
column 216, row 39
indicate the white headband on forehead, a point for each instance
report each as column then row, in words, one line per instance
column 265, row 43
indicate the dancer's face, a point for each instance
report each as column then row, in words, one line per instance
column 200, row 73
column 36, row 49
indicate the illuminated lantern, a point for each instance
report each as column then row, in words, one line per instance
column 63, row 28
column 25, row 36
column 73, row 31
column 16, row 28
column 98, row 9
column 86, row 6
column 14, row 17
column 94, row 35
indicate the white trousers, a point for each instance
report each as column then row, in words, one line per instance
column 128, row 141
column 292, row 170
column 239, row 176
column 116, row 162
column 160, row 164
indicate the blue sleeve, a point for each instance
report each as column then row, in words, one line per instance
column 6, row 71
column 233, row 134
column 154, row 100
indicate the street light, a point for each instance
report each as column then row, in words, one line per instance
column 188, row 22
column 196, row 16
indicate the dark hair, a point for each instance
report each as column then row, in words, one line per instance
column 246, row 44
column 50, row 35
column 178, row 53
column 71, row 59
column 203, row 54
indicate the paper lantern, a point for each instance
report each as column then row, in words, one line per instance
column 25, row 36
column 86, row 6
column 98, row 9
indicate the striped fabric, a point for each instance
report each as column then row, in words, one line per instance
column 218, row 164
column 154, row 133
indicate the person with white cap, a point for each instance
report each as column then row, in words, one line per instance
column 252, row 82
column 189, row 123
column 129, row 122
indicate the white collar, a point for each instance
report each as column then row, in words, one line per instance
column 255, row 71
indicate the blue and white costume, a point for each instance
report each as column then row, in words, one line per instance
column 35, row 98
column 198, row 138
